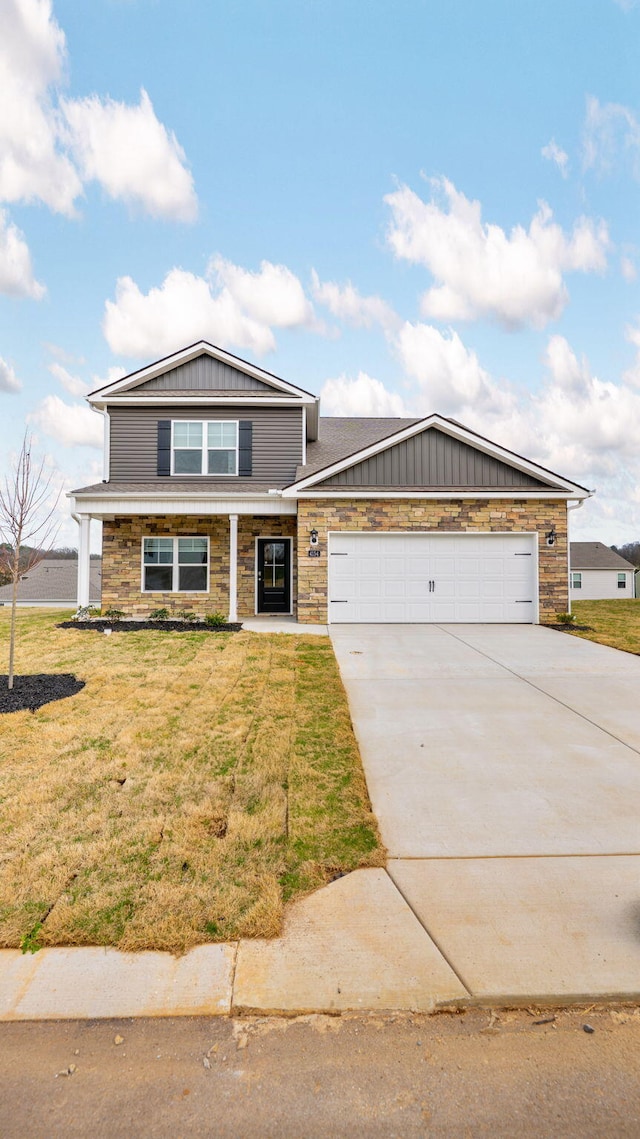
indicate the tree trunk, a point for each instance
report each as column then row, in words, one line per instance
column 12, row 632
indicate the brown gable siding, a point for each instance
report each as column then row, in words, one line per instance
column 277, row 443
column 431, row 459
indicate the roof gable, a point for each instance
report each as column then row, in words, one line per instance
column 191, row 369
column 432, row 459
column 449, row 457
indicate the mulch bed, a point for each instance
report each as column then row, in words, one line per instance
column 31, row 692
column 99, row 625
column 570, row 628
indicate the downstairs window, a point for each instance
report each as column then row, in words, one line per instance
column 576, row 580
column 622, row 581
column 175, row 565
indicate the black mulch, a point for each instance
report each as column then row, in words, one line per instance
column 569, row 628
column 33, row 691
column 100, row 625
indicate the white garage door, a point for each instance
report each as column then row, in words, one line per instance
column 432, row 577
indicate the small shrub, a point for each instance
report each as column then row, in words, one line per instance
column 215, row 619
column 159, row 614
column 85, row 612
column 114, row 614
column 189, row 615
column 565, row 618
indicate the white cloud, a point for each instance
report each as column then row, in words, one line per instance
column 449, row 375
column 555, row 153
column 70, row 424
column 131, row 154
column 186, row 308
column 589, row 426
column 72, row 384
column 481, row 271
column 273, row 296
column 347, row 304
column 50, row 145
column 363, row 395
column 610, row 130
column 16, row 272
column 33, row 166
column 9, row 382
column 628, row 268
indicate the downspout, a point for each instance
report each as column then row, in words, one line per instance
column 574, row 506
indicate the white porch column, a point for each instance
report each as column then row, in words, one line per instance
column 233, row 567
column 84, row 559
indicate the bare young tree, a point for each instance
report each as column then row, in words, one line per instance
column 27, row 517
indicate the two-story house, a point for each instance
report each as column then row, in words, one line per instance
column 224, row 490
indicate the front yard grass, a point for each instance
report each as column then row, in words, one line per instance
column 195, row 785
column 615, row 623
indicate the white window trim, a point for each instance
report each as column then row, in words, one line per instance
column 273, row 538
column 174, row 565
column 622, row 584
column 204, row 450
column 576, row 574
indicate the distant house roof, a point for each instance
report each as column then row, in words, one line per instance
column 55, row 579
column 595, row 555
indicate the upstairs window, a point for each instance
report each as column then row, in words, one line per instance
column 576, row 581
column 204, row 447
column 622, row 581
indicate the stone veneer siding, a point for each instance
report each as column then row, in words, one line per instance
column 122, row 561
column 412, row 514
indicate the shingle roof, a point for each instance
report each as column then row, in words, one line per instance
column 595, row 555
column 55, row 579
column 165, row 487
column 341, row 437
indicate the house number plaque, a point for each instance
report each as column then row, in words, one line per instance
column 314, row 553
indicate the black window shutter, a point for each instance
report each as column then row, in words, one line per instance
column 245, row 445
column 164, row 447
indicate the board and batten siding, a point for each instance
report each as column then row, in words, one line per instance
column 204, row 374
column 431, row 459
column 277, row 442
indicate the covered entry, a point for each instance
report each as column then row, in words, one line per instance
column 422, row 577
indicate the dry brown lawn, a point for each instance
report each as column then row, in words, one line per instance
column 195, row 785
column 615, row 623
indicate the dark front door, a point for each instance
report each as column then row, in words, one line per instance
column 274, row 575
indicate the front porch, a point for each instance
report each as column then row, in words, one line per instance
column 247, row 564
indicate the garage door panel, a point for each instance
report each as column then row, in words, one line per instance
column 423, row 577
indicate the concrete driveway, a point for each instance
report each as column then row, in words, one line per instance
column 503, row 764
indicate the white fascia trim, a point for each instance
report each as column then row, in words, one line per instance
column 107, row 446
column 100, row 506
column 99, row 401
column 463, row 493
column 304, row 436
column 202, row 348
column 459, row 433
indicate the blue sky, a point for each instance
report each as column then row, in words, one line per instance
column 406, row 208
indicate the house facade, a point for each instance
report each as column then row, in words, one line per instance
column 225, row 491
column 598, row 573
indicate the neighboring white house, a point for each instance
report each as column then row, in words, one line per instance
column 54, row 582
column 598, row 573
